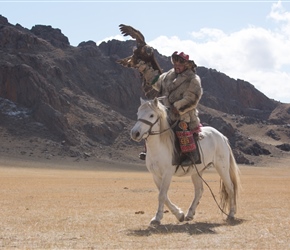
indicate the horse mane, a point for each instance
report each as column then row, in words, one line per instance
column 168, row 136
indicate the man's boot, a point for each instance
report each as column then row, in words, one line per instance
column 142, row 156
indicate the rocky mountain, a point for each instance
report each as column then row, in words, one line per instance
column 81, row 103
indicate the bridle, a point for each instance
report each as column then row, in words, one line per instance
column 150, row 132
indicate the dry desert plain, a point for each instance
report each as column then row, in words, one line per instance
column 65, row 204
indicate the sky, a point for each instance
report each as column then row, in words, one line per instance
column 248, row 40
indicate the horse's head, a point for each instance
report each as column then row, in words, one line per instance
column 149, row 119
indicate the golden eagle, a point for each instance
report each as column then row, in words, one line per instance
column 143, row 52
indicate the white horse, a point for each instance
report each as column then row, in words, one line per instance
column 154, row 128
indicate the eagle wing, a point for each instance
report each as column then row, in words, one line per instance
column 127, row 30
column 143, row 51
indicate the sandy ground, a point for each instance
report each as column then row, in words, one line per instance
column 107, row 205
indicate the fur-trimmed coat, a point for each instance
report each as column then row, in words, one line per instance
column 183, row 91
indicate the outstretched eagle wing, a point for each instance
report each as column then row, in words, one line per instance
column 127, row 30
column 143, row 52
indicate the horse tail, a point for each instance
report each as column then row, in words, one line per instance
column 235, row 176
column 235, row 179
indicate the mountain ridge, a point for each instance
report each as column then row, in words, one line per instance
column 88, row 102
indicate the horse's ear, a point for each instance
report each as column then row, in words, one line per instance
column 161, row 98
column 141, row 100
column 155, row 101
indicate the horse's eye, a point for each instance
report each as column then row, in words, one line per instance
column 151, row 116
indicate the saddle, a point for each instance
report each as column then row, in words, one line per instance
column 187, row 148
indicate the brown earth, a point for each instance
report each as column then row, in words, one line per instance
column 52, row 197
column 86, row 204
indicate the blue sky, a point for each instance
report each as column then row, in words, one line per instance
column 249, row 40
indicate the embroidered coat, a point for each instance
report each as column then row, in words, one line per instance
column 183, row 91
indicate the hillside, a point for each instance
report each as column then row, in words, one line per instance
column 63, row 101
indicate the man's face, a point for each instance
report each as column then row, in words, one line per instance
column 179, row 64
column 179, row 67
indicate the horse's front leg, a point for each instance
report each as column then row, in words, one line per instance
column 198, row 188
column 163, row 186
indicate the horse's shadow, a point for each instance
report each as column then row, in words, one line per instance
column 191, row 229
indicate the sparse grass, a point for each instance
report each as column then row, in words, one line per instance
column 45, row 208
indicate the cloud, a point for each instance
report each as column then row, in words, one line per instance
column 117, row 37
column 281, row 16
column 254, row 54
column 212, row 34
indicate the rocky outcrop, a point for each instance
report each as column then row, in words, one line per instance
column 54, row 36
column 41, row 71
column 85, row 97
column 284, row 147
column 234, row 96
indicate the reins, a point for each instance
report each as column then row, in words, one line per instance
column 150, row 132
column 204, row 181
column 150, row 124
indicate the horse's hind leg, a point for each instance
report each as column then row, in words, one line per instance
column 227, row 192
column 163, row 186
column 198, row 189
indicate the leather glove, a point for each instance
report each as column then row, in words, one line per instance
column 174, row 110
column 149, row 74
column 173, row 113
column 142, row 66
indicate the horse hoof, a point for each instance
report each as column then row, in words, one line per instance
column 181, row 219
column 230, row 219
column 154, row 223
column 188, row 218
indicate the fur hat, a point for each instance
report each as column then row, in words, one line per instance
column 189, row 63
column 181, row 55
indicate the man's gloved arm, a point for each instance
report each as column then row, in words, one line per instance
column 149, row 74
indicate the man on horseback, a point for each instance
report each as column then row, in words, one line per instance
column 182, row 89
